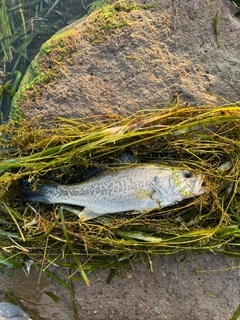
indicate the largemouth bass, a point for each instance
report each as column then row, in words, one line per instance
column 134, row 188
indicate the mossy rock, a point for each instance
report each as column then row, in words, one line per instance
column 45, row 69
column 129, row 56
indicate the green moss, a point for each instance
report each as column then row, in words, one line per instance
column 48, row 65
column 109, row 11
column 113, row 17
column 116, row 24
column 46, row 48
column 55, row 46
column 109, row 18
column 32, row 75
column 121, row 6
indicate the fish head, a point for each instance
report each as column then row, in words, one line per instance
column 186, row 184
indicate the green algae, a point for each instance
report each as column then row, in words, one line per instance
column 47, row 66
column 110, row 17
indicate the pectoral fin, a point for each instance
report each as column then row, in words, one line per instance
column 156, row 196
column 162, row 199
column 85, row 214
column 142, row 194
column 146, row 195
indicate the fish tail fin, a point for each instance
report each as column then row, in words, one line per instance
column 38, row 192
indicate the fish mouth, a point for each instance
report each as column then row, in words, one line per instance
column 200, row 187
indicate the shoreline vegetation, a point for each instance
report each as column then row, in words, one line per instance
column 177, row 135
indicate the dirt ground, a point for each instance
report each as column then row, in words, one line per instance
column 197, row 287
column 172, row 48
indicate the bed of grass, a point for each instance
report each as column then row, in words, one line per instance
column 205, row 139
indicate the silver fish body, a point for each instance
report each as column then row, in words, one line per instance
column 133, row 188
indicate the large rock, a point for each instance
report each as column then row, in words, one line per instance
column 135, row 55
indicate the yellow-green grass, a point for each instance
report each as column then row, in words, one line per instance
column 205, row 139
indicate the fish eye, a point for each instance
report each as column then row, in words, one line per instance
column 187, row 174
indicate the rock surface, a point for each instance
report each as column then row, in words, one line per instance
column 128, row 57
column 198, row 287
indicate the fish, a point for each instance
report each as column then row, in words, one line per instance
column 138, row 188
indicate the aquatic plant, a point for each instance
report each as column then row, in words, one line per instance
column 177, row 134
